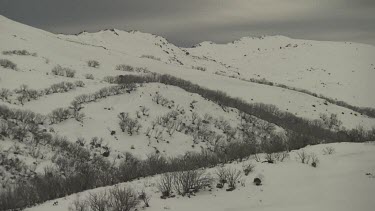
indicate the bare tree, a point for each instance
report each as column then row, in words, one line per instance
column 303, row 156
column 328, row 150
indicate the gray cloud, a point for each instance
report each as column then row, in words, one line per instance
column 186, row 22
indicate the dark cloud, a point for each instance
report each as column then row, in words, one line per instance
column 186, row 22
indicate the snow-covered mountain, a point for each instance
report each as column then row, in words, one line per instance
column 313, row 80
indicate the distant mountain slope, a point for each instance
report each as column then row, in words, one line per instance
column 338, row 70
column 305, row 66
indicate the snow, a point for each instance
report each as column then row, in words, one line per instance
column 338, row 183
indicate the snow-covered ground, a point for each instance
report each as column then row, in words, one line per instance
column 338, row 183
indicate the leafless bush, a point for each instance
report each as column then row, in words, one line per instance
column 93, row 63
column 248, row 168
column 78, row 205
column 8, row 64
column 314, row 160
column 145, row 197
column 303, row 156
column 59, row 115
column 191, row 181
column 124, row 67
column 79, row 83
column 331, row 122
column 165, row 184
column 141, row 70
column 98, row 201
column 110, row 79
column 281, row 156
column 19, row 52
column 328, row 150
column 233, row 177
column 70, row 73
column 199, row 68
column 5, row 93
column 123, row 199
column 262, row 81
column 58, row 70
column 151, row 57
column 128, row 124
column 144, row 110
column 222, row 174
column 89, row 76
column 63, row 71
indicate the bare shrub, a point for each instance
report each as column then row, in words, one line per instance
column 63, row 71
column 151, row 57
column 70, row 73
column 79, row 83
column 281, row 156
column 8, row 64
column 78, row 205
column 314, row 160
column 328, row 151
column 59, row 115
column 303, row 156
column 89, row 76
column 222, row 174
column 58, row 70
column 128, row 124
column 123, row 199
column 124, row 67
column 93, row 63
column 98, row 201
column 199, row 68
column 248, row 168
column 233, row 177
column 191, row 181
column 331, row 122
column 110, row 79
column 19, row 52
column 145, row 197
column 165, row 184
column 5, row 94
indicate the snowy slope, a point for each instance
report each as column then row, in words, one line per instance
column 127, row 48
column 338, row 70
column 338, row 183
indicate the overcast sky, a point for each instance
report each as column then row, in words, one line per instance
column 187, row 22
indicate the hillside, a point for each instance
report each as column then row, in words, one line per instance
column 96, row 103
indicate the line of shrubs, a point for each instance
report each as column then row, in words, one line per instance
column 19, row 52
column 370, row 112
column 63, row 71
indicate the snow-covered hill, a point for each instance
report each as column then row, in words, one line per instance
column 343, row 181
